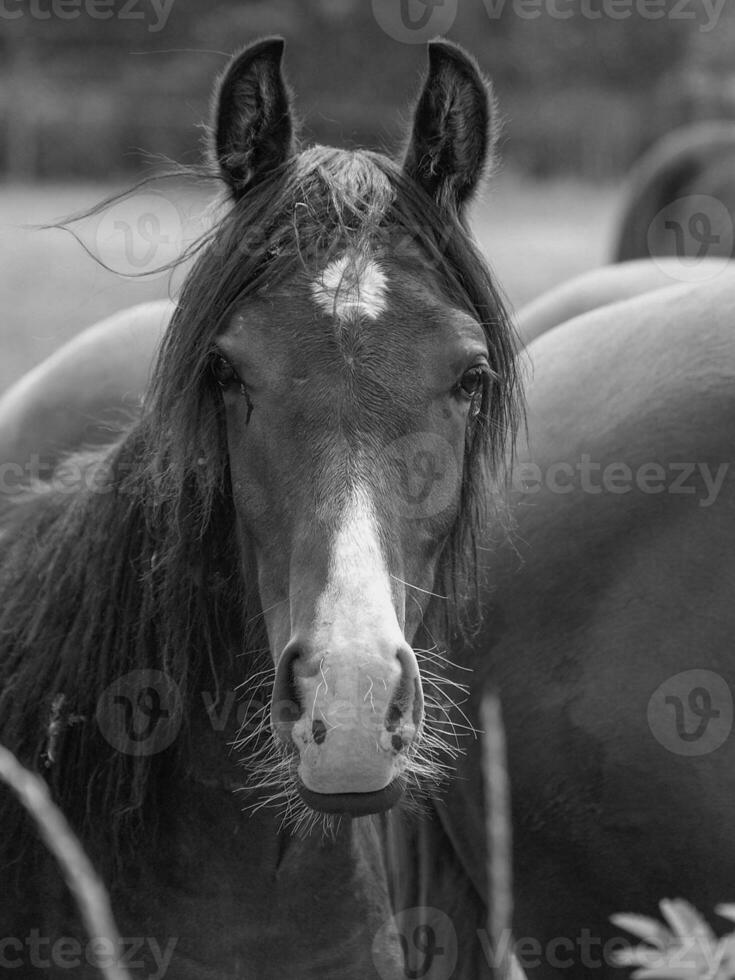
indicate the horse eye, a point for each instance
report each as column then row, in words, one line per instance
column 227, row 377
column 223, row 372
column 472, row 381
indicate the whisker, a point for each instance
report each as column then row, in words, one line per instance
column 441, row 658
column 419, row 589
column 259, row 615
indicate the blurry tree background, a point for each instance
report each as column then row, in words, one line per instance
column 96, row 98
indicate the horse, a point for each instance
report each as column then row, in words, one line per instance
column 680, row 197
column 604, row 621
column 604, row 624
column 223, row 640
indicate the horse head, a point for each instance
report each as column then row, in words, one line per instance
column 355, row 368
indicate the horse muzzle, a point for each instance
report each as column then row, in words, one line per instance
column 353, row 720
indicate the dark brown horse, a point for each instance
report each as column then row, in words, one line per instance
column 606, row 625
column 207, row 628
column 605, row 622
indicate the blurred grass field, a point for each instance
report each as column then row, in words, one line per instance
column 535, row 235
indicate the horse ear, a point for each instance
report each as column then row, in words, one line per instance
column 253, row 129
column 452, row 137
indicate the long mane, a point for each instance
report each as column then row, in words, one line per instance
column 137, row 569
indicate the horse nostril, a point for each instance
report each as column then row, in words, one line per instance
column 318, row 731
column 408, row 698
column 285, row 705
column 393, row 718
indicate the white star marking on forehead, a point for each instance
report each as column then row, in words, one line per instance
column 351, row 286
